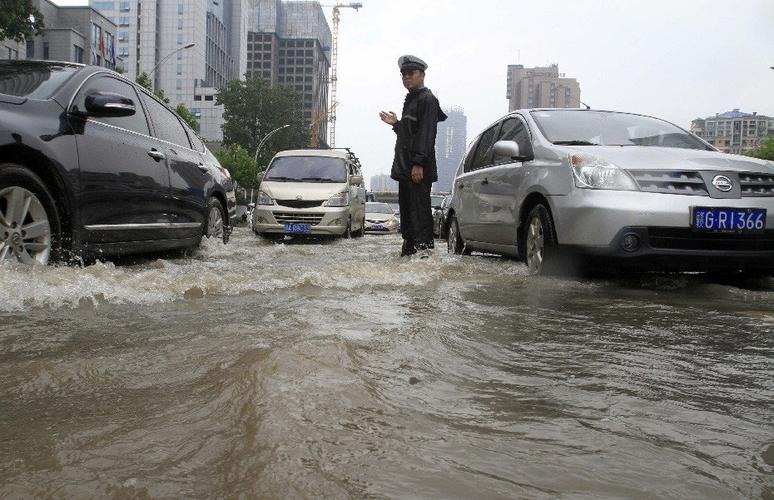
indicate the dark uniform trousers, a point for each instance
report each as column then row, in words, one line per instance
column 416, row 217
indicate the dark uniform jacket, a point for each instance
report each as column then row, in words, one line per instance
column 416, row 132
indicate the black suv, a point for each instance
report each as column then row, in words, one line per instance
column 93, row 164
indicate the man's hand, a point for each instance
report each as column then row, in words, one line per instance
column 389, row 118
column 417, row 173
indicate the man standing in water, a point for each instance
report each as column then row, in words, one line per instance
column 414, row 165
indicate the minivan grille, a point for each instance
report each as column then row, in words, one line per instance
column 753, row 184
column 670, row 181
column 300, row 203
column 298, row 218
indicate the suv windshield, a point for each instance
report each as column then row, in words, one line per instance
column 378, row 208
column 33, row 79
column 307, row 169
column 605, row 128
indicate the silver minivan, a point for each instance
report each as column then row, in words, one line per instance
column 618, row 189
column 309, row 192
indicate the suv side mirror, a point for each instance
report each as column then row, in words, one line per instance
column 356, row 179
column 104, row 104
column 509, row 150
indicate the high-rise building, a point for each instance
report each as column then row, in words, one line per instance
column 541, row 88
column 190, row 48
column 288, row 43
column 450, row 147
column 72, row 34
column 383, row 183
column 734, row 131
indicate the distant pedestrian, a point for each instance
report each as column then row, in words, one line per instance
column 414, row 165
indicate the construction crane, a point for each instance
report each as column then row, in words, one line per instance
column 334, row 58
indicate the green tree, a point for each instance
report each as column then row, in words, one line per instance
column 144, row 80
column 253, row 108
column 19, row 20
column 765, row 151
column 239, row 163
column 187, row 116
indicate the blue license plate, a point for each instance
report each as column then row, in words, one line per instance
column 292, row 228
column 377, row 227
column 733, row 220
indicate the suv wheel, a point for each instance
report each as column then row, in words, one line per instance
column 214, row 225
column 29, row 222
column 539, row 240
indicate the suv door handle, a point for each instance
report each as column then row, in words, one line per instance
column 485, row 181
column 156, row 154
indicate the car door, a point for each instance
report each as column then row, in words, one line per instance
column 474, row 204
column 358, row 204
column 189, row 177
column 123, row 192
column 504, row 179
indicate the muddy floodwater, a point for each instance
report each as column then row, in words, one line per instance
column 339, row 370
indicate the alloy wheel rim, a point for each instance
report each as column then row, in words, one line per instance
column 215, row 223
column 25, row 231
column 535, row 246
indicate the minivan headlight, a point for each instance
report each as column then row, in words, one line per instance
column 264, row 199
column 338, row 200
column 591, row 172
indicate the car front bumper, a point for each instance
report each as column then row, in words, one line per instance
column 600, row 223
column 331, row 221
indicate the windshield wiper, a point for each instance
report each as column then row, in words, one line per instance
column 321, row 179
column 575, row 143
column 280, row 178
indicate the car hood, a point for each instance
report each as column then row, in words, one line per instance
column 378, row 216
column 654, row 158
column 306, row 190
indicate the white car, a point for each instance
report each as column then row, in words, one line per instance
column 310, row 192
column 380, row 218
column 615, row 189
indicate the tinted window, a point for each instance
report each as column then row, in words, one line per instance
column 307, row 169
column 513, row 129
column 587, row 128
column 104, row 83
column 32, row 79
column 165, row 122
column 483, row 155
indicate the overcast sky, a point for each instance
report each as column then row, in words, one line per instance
column 674, row 59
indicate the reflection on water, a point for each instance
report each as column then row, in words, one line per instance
column 340, row 370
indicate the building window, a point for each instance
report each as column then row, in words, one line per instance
column 30, row 49
column 77, row 54
column 179, row 69
column 180, row 39
column 123, row 21
column 123, row 6
column 180, row 9
column 45, row 51
column 197, row 98
column 178, row 84
column 179, row 24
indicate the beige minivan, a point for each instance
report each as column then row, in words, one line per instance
column 311, row 192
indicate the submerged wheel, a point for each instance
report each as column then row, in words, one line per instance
column 214, row 225
column 454, row 243
column 29, row 222
column 540, row 241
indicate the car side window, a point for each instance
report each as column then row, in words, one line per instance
column 197, row 143
column 483, row 155
column 166, row 124
column 104, row 83
column 513, row 129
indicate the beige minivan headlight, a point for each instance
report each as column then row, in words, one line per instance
column 264, row 199
column 338, row 200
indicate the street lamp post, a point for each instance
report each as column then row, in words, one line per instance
column 186, row 46
column 255, row 159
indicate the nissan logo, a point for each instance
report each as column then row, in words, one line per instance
column 299, row 197
column 722, row 183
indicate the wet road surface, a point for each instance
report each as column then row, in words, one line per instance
column 338, row 370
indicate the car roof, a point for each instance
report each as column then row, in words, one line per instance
column 330, row 153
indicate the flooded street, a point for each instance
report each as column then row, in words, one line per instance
column 339, row 370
